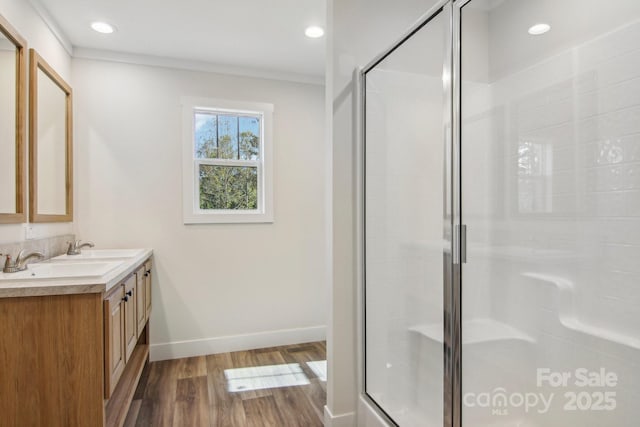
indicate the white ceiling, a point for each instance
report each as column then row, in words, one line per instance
column 260, row 35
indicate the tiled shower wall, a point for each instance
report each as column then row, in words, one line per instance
column 566, row 172
column 551, row 191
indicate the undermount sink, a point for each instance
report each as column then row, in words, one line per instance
column 62, row 270
column 100, row 254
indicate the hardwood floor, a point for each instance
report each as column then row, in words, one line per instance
column 278, row 386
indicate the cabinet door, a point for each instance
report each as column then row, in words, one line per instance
column 141, row 308
column 113, row 339
column 147, row 286
column 130, row 324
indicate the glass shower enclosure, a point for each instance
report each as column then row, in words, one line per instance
column 501, row 216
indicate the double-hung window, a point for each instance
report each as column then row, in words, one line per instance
column 227, row 156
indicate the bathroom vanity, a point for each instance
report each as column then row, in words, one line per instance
column 74, row 339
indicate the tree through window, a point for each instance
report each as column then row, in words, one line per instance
column 227, row 162
column 218, row 139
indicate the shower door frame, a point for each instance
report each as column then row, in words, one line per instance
column 454, row 232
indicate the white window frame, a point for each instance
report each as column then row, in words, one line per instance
column 192, row 214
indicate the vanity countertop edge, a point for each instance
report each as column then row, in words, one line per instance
column 76, row 285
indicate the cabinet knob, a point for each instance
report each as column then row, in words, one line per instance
column 125, row 299
column 148, row 271
column 146, row 274
column 130, row 292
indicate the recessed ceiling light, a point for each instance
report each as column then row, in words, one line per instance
column 539, row 29
column 314, row 32
column 102, row 27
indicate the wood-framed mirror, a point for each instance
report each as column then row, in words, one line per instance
column 13, row 81
column 50, row 144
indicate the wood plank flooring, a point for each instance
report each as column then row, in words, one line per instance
column 276, row 388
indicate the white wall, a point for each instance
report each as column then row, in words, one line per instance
column 359, row 29
column 218, row 286
column 30, row 25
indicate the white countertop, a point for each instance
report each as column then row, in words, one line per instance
column 74, row 285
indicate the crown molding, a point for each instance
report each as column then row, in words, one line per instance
column 190, row 65
column 52, row 25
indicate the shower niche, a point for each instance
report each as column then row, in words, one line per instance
column 501, row 216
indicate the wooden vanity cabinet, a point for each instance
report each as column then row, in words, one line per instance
column 51, row 360
column 122, row 328
column 126, row 347
column 130, row 320
column 74, row 359
column 114, row 346
column 135, row 301
column 147, row 286
column 141, row 307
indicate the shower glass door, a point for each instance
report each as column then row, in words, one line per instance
column 550, row 195
column 405, row 220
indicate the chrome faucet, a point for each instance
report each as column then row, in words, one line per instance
column 20, row 264
column 76, row 247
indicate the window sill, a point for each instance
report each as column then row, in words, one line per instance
column 228, row 218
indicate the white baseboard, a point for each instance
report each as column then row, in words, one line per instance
column 178, row 349
column 341, row 420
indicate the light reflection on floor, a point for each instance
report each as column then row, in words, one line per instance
column 319, row 367
column 272, row 376
column 261, row 377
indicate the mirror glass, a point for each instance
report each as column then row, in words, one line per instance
column 50, row 148
column 7, row 125
column 12, row 79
